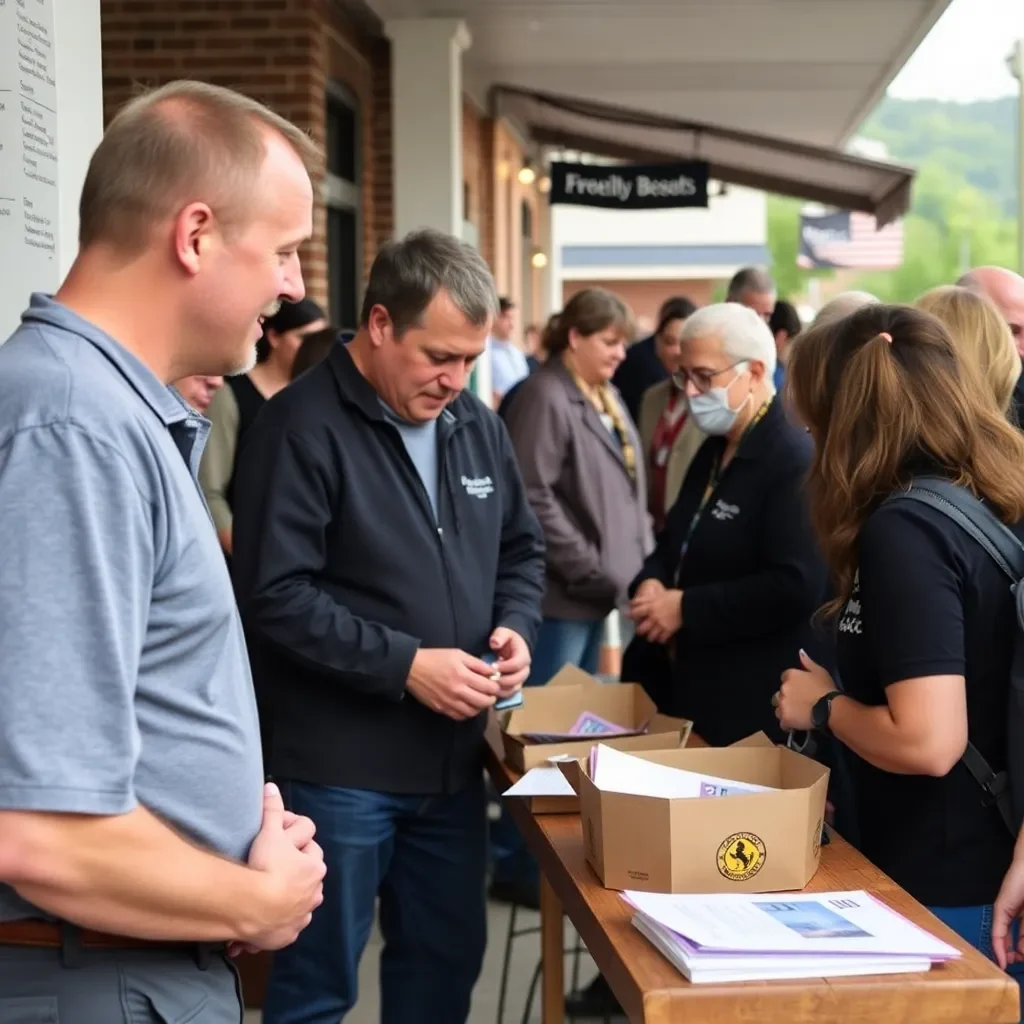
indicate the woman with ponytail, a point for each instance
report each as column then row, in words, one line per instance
column 925, row 618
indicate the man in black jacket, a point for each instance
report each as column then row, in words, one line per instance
column 383, row 546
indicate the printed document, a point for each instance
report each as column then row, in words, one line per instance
column 617, row 772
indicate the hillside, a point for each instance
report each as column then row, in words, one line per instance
column 976, row 142
column 963, row 211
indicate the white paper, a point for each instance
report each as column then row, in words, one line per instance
column 542, row 781
column 29, row 205
column 721, row 968
column 828, row 922
column 619, row 772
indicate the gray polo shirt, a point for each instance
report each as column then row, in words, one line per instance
column 124, row 678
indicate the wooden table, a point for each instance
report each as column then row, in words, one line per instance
column 652, row 991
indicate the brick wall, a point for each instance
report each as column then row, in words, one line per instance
column 283, row 53
column 278, row 51
column 477, row 174
column 381, row 219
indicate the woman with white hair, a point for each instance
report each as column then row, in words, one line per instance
column 737, row 574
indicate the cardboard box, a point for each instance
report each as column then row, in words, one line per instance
column 761, row 842
column 555, row 707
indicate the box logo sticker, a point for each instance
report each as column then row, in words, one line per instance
column 741, row 856
column 816, row 838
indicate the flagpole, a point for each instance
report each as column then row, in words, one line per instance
column 1015, row 62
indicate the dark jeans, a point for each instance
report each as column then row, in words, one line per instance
column 426, row 859
column 559, row 642
column 974, row 925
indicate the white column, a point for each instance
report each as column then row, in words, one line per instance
column 426, row 114
column 426, row 133
column 51, row 119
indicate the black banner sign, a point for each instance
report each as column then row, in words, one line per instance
column 631, row 186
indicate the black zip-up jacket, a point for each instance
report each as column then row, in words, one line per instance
column 751, row 578
column 342, row 572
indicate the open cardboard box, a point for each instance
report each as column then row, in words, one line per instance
column 647, row 741
column 758, row 842
column 555, row 708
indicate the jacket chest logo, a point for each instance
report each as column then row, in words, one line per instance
column 724, row 511
column 478, row 486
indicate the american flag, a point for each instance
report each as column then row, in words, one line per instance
column 847, row 239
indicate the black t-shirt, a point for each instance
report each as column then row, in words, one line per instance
column 929, row 601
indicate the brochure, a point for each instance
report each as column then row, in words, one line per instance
column 588, row 724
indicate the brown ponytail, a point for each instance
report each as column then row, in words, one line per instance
column 883, row 391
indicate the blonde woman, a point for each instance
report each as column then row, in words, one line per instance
column 981, row 335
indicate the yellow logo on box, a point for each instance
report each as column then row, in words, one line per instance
column 741, row 856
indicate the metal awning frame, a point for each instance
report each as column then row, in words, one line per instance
column 603, row 129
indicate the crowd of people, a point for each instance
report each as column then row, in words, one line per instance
column 326, row 571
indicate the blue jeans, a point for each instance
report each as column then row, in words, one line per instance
column 974, row 925
column 565, row 641
column 559, row 642
column 426, row 859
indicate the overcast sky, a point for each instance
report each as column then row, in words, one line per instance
column 963, row 57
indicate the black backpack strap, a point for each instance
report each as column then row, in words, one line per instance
column 958, row 504
column 996, row 785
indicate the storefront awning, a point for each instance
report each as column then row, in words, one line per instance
column 775, row 165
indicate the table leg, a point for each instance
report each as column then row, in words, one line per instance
column 552, row 952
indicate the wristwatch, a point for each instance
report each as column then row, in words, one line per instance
column 822, row 710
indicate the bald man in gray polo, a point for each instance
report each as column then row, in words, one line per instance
column 124, row 676
column 138, row 844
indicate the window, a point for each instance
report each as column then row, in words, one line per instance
column 344, row 201
column 342, row 136
column 343, row 271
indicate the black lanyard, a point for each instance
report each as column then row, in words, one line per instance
column 714, row 479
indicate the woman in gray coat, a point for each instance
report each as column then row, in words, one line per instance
column 583, row 466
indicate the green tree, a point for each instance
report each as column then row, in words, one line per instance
column 964, row 198
column 952, row 226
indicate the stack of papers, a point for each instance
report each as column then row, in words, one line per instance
column 588, row 724
column 732, row 937
column 616, row 772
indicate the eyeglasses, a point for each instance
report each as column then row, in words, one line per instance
column 702, row 380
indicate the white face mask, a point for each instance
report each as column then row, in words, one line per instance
column 711, row 410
